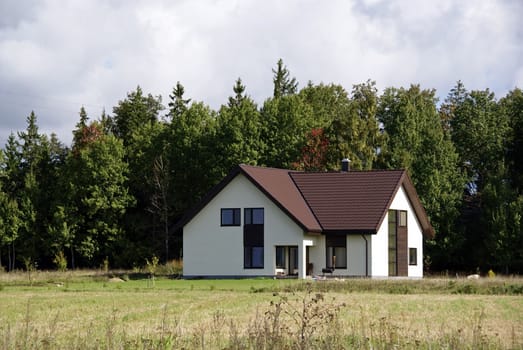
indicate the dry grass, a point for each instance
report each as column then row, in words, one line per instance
column 84, row 310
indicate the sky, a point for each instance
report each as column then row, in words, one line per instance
column 57, row 56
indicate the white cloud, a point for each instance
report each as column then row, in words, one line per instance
column 56, row 56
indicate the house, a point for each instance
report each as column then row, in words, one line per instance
column 273, row 222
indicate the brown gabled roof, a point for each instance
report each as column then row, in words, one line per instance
column 279, row 186
column 275, row 184
column 349, row 201
column 344, row 202
column 356, row 201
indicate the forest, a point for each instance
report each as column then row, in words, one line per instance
column 114, row 195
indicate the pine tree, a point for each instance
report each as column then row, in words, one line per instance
column 238, row 131
column 283, row 85
column 178, row 104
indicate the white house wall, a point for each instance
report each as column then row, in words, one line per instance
column 317, row 253
column 356, row 255
column 380, row 252
column 212, row 250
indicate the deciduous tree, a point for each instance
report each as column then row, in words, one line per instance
column 238, row 131
column 417, row 142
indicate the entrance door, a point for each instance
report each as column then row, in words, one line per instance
column 287, row 259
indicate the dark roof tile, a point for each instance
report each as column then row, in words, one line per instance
column 349, row 201
column 345, row 202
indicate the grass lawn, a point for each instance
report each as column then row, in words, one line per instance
column 89, row 310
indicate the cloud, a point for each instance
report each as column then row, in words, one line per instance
column 57, row 56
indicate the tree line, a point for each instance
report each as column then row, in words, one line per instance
column 116, row 192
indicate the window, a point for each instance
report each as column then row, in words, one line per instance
column 280, row 257
column 393, row 267
column 413, row 256
column 230, row 217
column 253, row 240
column 253, row 257
column 403, row 218
column 254, row 216
column 336, row 251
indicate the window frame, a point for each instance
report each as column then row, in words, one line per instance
column 253, row 238
column 392, row 238
column 249, row 216
column 402, row 218
column 281, row 256
column 236, row 217
column 336, row 243
column 249, row 257
column 413, row 256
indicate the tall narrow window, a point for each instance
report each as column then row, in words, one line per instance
column 280, row 257
column 403, row 218
column 393, row 268
column 230, row 217
column 336, row 251
column 413, row 256
column 253, row 240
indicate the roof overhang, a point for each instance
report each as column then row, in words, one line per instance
column 350, row 232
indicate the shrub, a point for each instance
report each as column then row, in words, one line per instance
column 171, row 268
column 61, row 261
column 297, row 322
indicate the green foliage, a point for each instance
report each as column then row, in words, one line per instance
column 479, row 132
column 283, row 84
column 178, row 104
column 192, row 156
column 128, row 177
column 284, row 122
column 134, row 112
column 238, row 131
column 512, row 107
column 98, row 192
column 328, row 103
column 152, row 265
column 60, row 261
column 355, row 133
column 485, row 134
column 416, row 141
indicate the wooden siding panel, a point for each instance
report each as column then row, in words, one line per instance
column 402, row 251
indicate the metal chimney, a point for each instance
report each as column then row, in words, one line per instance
column 345, row 165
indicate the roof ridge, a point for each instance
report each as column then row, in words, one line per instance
column 351, row 171
column 270, row 168
column 306, row 201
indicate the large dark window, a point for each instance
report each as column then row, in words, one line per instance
column 393, row 268
column 253, row 245
column 230, row 217
column 280, row 257
column 336, row 251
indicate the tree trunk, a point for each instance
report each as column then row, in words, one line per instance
column 166, row 228
column 72, row 258
column 11, row 257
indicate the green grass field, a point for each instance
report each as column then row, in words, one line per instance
column 88, row 310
